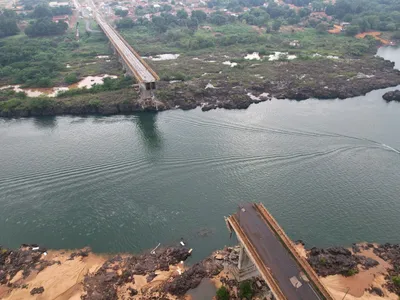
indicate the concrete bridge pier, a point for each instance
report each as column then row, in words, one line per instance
column 246, row 268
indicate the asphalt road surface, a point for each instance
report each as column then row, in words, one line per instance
column 274, row 255
column 134, row 62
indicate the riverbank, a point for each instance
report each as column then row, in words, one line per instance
column 320, row 78
column 35, row 272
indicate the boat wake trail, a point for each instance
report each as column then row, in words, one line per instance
column 391, row 148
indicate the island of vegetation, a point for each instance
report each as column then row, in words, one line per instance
column 220, row 53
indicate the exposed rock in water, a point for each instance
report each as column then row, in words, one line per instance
column 192, row 277
column 392, row 96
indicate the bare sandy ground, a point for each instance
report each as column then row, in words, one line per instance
column 60, row 281
column 356, row 286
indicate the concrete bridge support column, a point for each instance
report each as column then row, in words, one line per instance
column 246, row 267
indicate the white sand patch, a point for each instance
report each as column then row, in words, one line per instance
column 102, row 56
column 164, row 57
column 228, row 63
column 332, row 57
column 209, row 86
column 254, row 55
column 281, row 55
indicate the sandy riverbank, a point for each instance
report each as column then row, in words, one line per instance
column 38, row 273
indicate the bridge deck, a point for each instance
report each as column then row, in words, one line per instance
column 139, row 69
column 272, row 257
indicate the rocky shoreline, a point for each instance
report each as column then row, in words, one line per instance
column 295, row 80
column 161, row 273
column 392, row 96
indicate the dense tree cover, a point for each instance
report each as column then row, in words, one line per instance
column 62, row 10
column 44, row 10
column 45, row 27
column 121, row 12
column 125, row 23
column 383, row 15
column 298, row 2
column 8, row 23
column 255, row 16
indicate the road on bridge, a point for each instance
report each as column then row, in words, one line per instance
column 131, row 58
column 275, row 256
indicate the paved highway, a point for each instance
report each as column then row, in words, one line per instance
column 275, row 256
column 133, row 61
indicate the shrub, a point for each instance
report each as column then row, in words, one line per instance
column 246, row 290
column 396, row 280
column 222, row 293
column 71, row 78
column 351, row 272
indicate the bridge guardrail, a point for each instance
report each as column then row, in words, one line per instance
column 289, row 244
column 268, row 277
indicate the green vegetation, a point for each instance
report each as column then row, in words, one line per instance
column 396, row 281
column 322, row 261
column 367, row 14
column 121, row 12
column 223, row 293
column 8, row 23
column 351, row 272
column 45, row 26
column 41, row 62
column 18, row 102
column 245, row 290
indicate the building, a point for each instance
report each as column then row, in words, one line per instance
column 62, row 18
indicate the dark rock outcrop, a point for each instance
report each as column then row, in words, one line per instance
column 36, row 291
column 391, row 253
column 392, row 96
column 332, row 261
column 103, row 284
column 376, row 291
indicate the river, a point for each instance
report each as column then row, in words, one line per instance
column 328, row 170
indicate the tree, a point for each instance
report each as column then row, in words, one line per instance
column 304, row 12
column 182, row 14
column 223, row 293
column 276, row 25
column 125, row 23
column 218, row 19
column 45, row 26
column 121, row 12
column 321, row 27
column 396, row 35
column 352, row 30
column 199, row 15
column 62, row 10
column 8, row 23
column 42, row 11
column 246, row 290
column 71, row 78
